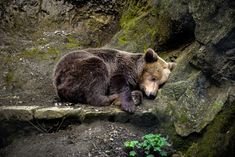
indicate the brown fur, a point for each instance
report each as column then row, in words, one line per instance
column 154, row 74
column 100, row 76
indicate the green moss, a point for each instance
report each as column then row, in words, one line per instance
column 218, row 139
column 142, row 26
column 193, row 149
column 8, row 58
column 9, row 77
column 122, row 40
column 36, row 53
column 72, row 42
column 72, row 45
column 183, row 118
column 135, row 26
column 178, row 142
column 53, row 51
column 32, row 53
column 41, row 41
column 134, row 11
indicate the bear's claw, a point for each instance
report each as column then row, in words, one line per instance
column 128, row 107
column 137, row 97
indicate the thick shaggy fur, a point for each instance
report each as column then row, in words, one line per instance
column 100, row 76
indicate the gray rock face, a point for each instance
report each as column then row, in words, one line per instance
column 199, row 98
column 28, row 15
column 144, row 116
column 215, row 19
column 192, row 96
column 160, row 24
column 215, row 29
column 189, row 97
column 217, row 61
column 197, row 34
column 35, row 34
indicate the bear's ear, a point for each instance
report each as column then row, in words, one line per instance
column 150, row 56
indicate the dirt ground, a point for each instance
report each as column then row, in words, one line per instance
column 98, row 139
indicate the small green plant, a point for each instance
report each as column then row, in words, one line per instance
column 151, row 145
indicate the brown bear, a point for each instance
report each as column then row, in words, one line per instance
column 99, row 76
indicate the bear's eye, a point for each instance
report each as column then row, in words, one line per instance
column 153, row 79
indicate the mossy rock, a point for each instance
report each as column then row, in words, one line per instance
column 156, row 24
column 218, row 138
column 189, row 98
column 142, row 26
column 198, row 105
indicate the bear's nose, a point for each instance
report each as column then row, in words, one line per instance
column 152, row 96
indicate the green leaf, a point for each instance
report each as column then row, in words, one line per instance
column 127, row 144
column 150, row 142
column 148, row 147
column 144, row 144
column 163, row 153
column 148, row 136
column 132, row 153
column 146, row 152
column 157, row 149
column 130, row 144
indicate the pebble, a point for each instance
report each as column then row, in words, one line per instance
column 16, row 97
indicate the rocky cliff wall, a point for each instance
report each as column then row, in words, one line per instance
column 198, row 35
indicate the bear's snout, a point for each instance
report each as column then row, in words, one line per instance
column 151, row 96
column 150, row 93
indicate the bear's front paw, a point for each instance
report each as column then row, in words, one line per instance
column 128, row 107
column 137, row 97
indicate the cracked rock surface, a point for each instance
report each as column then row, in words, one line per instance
column 196, row 102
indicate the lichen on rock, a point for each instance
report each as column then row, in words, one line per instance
column 218, row 136
column 198, row 35
column 191, row 100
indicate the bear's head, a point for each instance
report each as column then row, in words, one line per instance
column 155, row 73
